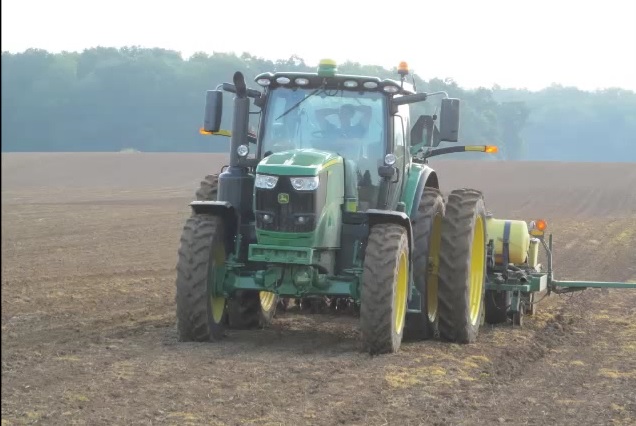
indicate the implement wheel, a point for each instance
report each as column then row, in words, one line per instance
column 251, row 309
column 427, row 237
column 517, row 317
column 201, row 314
column 462, row 273
column 384, row 290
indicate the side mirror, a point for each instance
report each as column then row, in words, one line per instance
column 213, row 111
column 449, row 120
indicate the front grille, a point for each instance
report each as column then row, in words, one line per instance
column 285, row 217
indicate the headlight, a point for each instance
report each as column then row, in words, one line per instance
column 242, row 150
column 265, row 181
column 390, row 159
column 305, row 183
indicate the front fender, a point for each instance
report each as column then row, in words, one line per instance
column 223, row 209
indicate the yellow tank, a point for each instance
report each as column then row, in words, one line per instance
column 519, row 239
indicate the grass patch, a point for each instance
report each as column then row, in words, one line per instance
column 409, row 377
column 76, row 397
column 615, row 374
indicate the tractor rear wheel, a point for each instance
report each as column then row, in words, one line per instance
column 496, row 305
column 427, row 236
column 384, row 290
column 251, row 309
column 200, row 314
column 462, row 270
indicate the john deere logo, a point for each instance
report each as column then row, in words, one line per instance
column 283, row 198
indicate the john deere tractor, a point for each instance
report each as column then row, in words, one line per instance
column 332, row 196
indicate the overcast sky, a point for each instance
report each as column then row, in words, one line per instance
column 514, row 43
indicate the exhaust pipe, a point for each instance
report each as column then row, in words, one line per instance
column 241, row 118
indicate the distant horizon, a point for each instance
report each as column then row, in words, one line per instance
column 188, row 56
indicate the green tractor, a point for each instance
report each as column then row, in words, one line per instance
column 333, row 197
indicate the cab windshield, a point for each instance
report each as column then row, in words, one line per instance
column 349, row 123
column 338, row 120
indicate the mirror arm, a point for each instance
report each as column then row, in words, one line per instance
column 229, row 87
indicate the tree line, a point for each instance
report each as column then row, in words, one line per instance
column 109, row 99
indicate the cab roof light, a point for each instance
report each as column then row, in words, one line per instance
column 389, row 88
column 350, row 84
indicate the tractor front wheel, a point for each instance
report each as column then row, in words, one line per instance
column 251, row 309
column 462, row 269
column 384, row 290
column 201, row 313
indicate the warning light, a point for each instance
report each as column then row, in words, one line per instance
column 541, row 225
column 489, row 149
column 403, row 68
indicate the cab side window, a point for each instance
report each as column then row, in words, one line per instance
column 398, row 134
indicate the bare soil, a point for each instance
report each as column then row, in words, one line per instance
column 89, row 248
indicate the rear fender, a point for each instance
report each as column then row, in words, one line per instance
column 420, row 176
column 223, row 209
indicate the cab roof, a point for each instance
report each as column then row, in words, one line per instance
column 336, row 81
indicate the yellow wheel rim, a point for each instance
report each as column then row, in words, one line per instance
column 217, row 304
column 476, row 275
column 433, row 270
column 399, row 302
column 267, row 300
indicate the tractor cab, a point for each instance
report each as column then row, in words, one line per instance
column 350, row 124
column 346, row 115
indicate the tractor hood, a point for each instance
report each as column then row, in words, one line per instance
column 298, row 162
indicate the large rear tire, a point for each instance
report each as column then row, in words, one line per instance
column 427, row 236
column 462, row 273
column 200, row 314
column 384, row 290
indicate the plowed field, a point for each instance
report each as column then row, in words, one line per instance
column 89, row 248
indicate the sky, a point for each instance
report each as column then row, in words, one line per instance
column 513, row 43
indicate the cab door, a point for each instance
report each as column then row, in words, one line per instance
column 399, row 150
